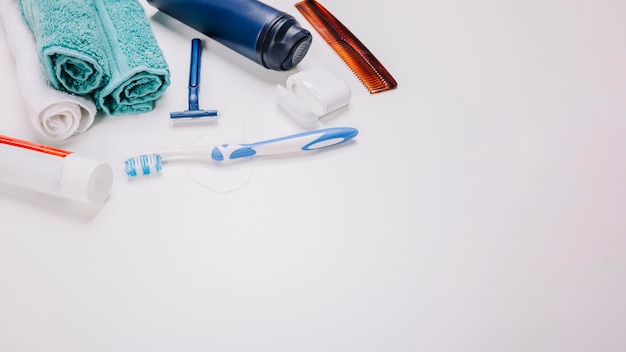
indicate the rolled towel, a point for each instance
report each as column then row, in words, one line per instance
column 139, row 72
column 69, row 42
column 101, row 47
column 54, row 114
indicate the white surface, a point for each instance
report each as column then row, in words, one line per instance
column 481, row 207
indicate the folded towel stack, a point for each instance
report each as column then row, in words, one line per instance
column 55, row 114
column 104, row 49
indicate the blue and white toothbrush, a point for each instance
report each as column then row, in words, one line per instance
column 147, row 164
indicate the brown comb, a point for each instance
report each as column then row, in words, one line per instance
column 359, row 59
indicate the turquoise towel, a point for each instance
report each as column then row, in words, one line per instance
column 103, row 48
column 69, row 42
column 139, row 72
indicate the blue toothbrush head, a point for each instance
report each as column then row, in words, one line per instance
column 143, row 165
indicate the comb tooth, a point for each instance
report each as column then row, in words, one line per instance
column 372, row 74
column 363, row 67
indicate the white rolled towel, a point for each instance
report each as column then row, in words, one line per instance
column 55, row 114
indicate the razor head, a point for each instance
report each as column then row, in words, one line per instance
column 193, row 117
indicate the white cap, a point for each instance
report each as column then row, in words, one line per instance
column 319, row 90
column 294, row 105
column 86, row 180
column 313, row 93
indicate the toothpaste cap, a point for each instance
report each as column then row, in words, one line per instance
column 86, row 180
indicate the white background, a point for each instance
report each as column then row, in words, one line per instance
column 481, row 208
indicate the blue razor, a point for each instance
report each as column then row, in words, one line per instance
column 194, row 113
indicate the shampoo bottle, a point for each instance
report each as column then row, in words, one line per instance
column 269, row 37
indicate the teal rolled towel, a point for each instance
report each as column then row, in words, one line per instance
column 139, row 72
column 101, row 48
column 69, row 43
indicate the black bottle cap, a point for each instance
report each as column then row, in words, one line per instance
column 285, row 45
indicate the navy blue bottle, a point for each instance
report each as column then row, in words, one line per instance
column 269, row 37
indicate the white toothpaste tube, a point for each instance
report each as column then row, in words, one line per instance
column 54, row 171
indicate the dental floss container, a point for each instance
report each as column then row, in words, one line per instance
column 54, row 171
column 313, row 93
column 265, row 35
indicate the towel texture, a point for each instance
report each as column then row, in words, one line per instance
column 69, row 42
column 102, row 48
column 56, row 115
column 139, row 73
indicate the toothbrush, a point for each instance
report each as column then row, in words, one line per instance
column 148, row 164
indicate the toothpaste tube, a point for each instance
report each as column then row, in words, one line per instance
column 53, row 171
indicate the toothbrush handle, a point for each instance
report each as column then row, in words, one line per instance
column 301, row 142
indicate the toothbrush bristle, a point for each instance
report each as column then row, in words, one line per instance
column 143, row 165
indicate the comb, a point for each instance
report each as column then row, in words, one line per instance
column 359, row 59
